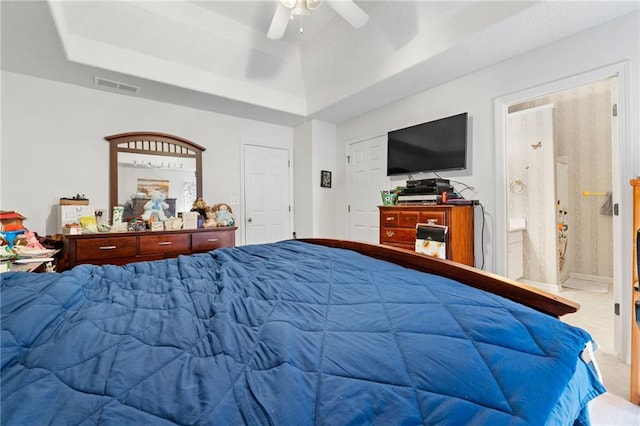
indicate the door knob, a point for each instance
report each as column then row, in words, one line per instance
column 249, row 220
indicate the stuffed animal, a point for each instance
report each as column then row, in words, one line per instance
column 200, row 206
column 155, row 206
column 224, row 215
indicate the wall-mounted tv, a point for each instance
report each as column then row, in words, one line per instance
column 428, row 147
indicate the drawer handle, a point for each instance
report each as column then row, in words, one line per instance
column 389, row 219
column 390, row 233
column 108, row 247
column 165, row 243
column 212, row 240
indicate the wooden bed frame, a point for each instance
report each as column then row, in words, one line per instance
column 527, row 295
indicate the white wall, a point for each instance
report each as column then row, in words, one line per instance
column 303, row 180
column 325, row 205
column 316, row 207
column 53, row 143
column 476, row 93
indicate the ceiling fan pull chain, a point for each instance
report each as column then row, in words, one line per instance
column 301, row 29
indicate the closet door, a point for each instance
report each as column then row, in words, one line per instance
column 266, row 191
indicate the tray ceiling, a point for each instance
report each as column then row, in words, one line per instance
column 215, row 55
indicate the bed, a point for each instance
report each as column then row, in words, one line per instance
column 322, row 332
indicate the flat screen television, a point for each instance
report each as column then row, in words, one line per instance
column 433, row 146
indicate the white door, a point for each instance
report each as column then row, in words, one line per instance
column 267, row 191
column 367, row 176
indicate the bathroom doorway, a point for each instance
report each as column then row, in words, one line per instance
column 560, row 159
column 560, row 173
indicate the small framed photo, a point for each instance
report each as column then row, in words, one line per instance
column 325, row 179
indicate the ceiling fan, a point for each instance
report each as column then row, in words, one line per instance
column 288, row 9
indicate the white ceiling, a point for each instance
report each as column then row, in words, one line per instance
column 215, row 55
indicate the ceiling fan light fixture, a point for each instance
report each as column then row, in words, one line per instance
column 288, row 3
column 313, row 4
column 300, row 8
column 288, row 9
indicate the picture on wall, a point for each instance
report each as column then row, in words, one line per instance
column 147, row 186
column 325, row 179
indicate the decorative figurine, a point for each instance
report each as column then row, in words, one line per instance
column 155, row 206
column 223, row 215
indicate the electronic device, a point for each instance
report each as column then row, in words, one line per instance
column 462, row 202
column 420, row 199
column 427, row 190
column 428, row 147
column 428, row 182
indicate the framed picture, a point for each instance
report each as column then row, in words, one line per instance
column 147, row 186
column 325, row 179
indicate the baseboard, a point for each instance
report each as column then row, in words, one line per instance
column 587, row 277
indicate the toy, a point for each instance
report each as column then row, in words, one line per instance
column 223, row 214
column 29, row 240
column 155, row 206
column 200, row 206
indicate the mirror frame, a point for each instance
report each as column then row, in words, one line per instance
column 152, row 143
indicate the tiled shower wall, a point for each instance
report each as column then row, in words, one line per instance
column 582, row 129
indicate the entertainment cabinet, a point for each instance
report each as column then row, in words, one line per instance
column 119, row 248
column 398, row 227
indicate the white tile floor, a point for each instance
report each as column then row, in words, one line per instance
column 596, row 316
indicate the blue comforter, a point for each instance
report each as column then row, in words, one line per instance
column 286, row 334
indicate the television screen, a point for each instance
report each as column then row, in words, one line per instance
column 428, row 147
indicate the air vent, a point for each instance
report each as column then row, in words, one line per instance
column 114, row 85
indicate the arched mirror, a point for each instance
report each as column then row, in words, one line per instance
column 143, row 162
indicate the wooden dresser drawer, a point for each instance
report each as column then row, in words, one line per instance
column 408, row 218
column 205, row 241
column 105, row 248
column 389, row 218
column 434, row 218
column 398, row 235
column 164, row 243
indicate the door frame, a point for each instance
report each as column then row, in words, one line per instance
column 622, row 159
column 243, row 214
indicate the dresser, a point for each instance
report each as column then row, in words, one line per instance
column 126, row 247
column 398, row 228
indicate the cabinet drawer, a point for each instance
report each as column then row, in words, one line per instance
column 435, row 218
column 105, row 248
column 390, row 219
column 408, row 219
column 398, row 235
column 203, row 241
column 165, row 243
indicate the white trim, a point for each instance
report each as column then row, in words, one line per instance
column 534, row 109
column 625, row 154
column 588, row 277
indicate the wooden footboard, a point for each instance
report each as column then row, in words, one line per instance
column 537, row 299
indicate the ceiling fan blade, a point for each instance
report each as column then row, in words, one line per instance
column 350, row 11
column 279, row 22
